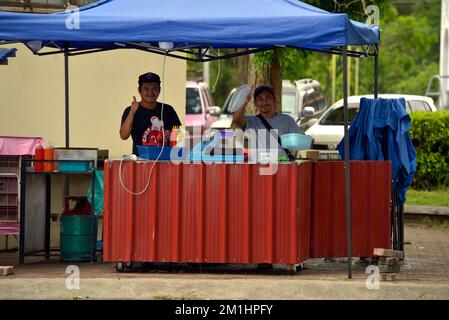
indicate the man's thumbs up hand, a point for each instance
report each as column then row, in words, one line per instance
column 134, row 105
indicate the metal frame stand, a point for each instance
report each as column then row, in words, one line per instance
column 397, row 220
column 24, row 172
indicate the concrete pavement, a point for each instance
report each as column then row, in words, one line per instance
column 239, row 289
column 426, row 210
column 424, row 275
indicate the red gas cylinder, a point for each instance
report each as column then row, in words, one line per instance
column 82, row 206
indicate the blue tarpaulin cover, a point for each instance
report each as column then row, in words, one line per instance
column 380, row 132
column 221, row 24
column 6, row 53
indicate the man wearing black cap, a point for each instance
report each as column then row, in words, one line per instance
column 267, row 119
column 148, row 121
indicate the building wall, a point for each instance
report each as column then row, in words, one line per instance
column 101, row 86
column 444, row 54
column 32, row 103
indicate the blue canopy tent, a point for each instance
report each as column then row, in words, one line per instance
column 230, row 24
column 6, row 53
column 178, row 26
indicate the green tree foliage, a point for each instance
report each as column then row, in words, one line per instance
column 408, row 52
column 354, row 9
column 222, row 76
column 409, row 55
column 297, row 64
column 222, row 79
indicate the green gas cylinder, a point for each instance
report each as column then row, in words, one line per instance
column 78, row 235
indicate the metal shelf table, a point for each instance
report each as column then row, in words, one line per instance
column 28, row 173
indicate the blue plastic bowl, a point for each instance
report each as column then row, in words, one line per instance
column 296, row 141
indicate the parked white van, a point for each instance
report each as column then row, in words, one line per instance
column 303, row 100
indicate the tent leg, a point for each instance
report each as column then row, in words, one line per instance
column 347, row 171
column 67, row 123
column 66, row 82
column 394, row 227
column 401, row 227
column 376, row 73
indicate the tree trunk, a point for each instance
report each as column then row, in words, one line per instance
column 276, row 81
column 241, row 65
column 272, row 76
column 252, row 80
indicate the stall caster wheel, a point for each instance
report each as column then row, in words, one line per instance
column 299, row 267
column 294, row 268
column 129, row 264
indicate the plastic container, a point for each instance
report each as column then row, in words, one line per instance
column 201, row 153
column 263, row 156
column 39, row 154
column 49, row 154
column 173, row 136
column 180, row 138
column 152, row 152
column 296, row 141
column 73, row 166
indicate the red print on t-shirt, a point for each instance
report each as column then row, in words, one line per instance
column 153, row 136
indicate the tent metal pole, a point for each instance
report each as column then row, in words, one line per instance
column 66, row 83
column 376, row 73
column 347, row 171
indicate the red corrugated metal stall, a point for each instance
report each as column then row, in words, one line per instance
column 216, row 213
column 370, row 208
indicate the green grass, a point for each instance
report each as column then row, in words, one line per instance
column 167, row 297
column 436, row 224
column 163, row 297
column 438, row 197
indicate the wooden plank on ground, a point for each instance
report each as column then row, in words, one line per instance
column 389, row 269
column 386, row 261
column 380, row 252
column 6, row 270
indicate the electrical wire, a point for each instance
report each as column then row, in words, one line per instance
column 163, row 139
column 218, row 72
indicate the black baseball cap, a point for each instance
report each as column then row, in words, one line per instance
column 260, row 89
column 148, row 78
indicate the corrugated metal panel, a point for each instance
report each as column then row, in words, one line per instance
column 370, row 208
column 215, row 213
